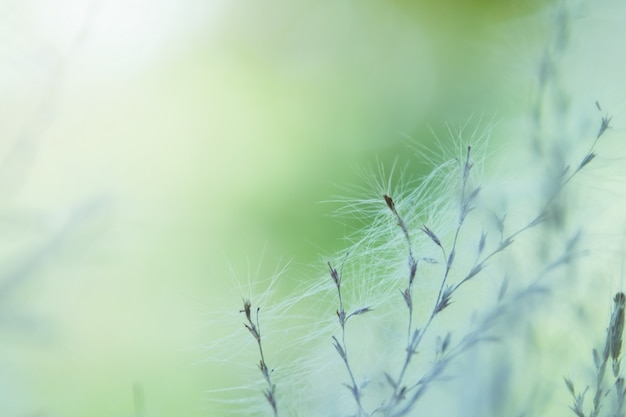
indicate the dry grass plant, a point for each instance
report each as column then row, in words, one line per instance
column 438, row 271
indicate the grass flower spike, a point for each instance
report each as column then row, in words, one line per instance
column 446, row 298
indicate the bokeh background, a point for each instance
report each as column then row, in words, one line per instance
column 156, row 154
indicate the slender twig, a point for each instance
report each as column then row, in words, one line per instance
column 445, row 293
column 479, row 334
column 414, row 337
column 342, row 347
column 255, row 330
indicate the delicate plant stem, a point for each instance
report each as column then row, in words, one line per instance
column 445, row 292
column 255, row 330
column 341, row 347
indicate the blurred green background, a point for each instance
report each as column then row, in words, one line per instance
column 153, row 149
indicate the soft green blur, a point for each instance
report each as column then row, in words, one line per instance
column 153, row 149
